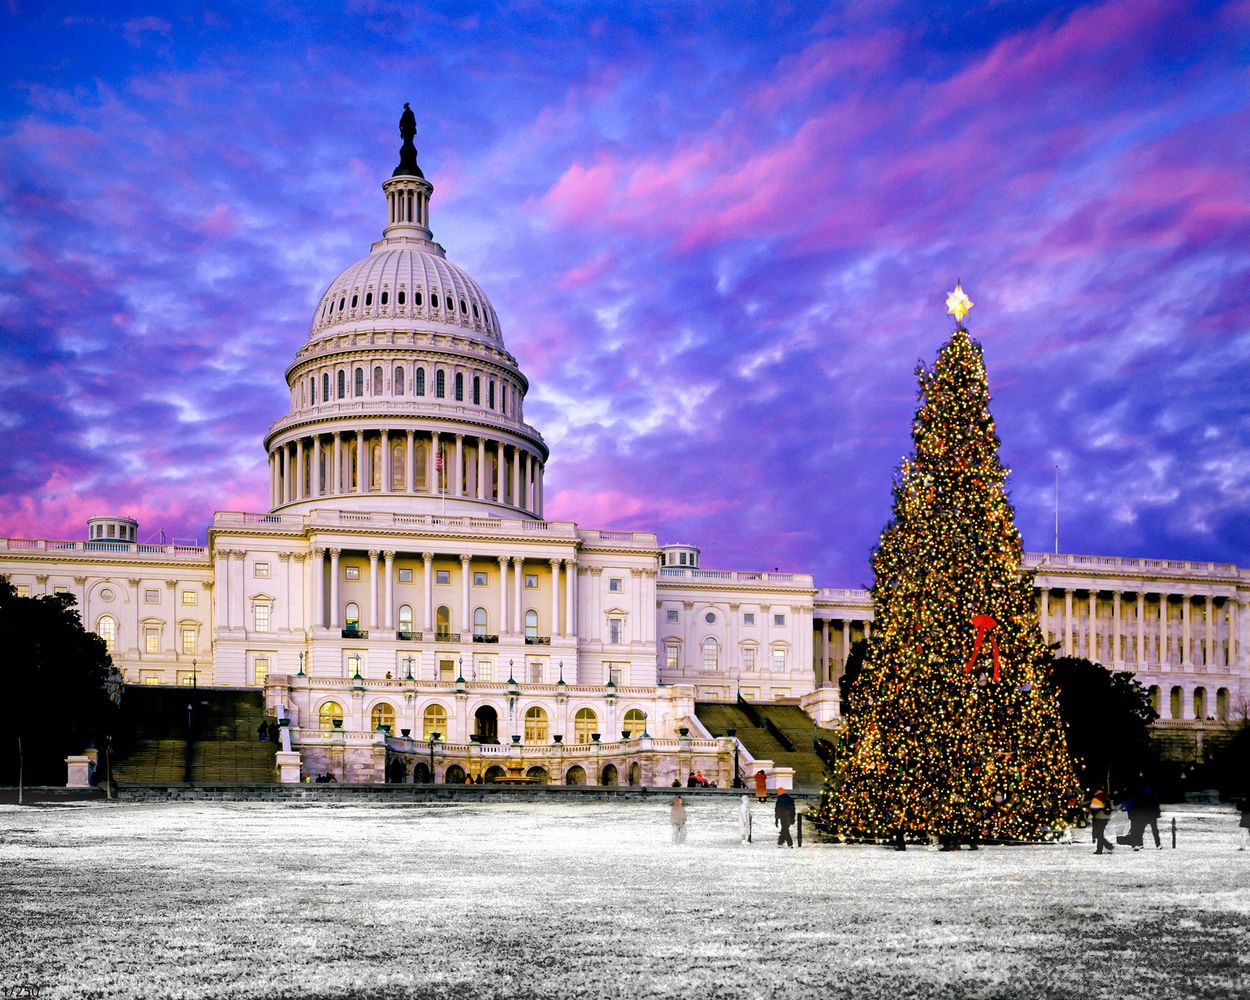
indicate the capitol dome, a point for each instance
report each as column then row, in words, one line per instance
column 403, row 398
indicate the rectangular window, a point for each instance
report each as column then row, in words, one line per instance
column 616, row 674
column 670, row 657
column 151, row 639
column 442, row 576
column 536, row 673
column 261, row 571
column 150, row 678
column 614, row 630
column 531, row 581
column 779, row 661
column 748, row 659
column 670, row 616
column 188, row 641
column 614, row 584
column 485, row 670
column 260, row 617
column 60, row 588
column 23, row 590
column 353, row 666
column 779, row 619
column 479, row 578
column 748, row 618
column 405, row 576
column 186, row 678
column 188, row 597
column 151, row 597
column 446, row 670
column 351, row 572
column 261, row 669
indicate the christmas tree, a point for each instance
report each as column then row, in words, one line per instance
column 954, row 728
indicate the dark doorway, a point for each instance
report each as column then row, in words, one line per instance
column 486, row 724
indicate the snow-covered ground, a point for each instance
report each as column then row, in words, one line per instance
column 564, row 900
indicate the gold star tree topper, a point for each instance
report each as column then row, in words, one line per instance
column 958, row 304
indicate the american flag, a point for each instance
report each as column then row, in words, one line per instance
column 438, row 461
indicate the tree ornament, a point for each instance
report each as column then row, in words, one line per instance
column 984, row 625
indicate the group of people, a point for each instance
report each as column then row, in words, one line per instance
column 784, row 816
column 267, row 732
column 1143, row 811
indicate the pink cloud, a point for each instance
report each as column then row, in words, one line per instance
column 134, row 29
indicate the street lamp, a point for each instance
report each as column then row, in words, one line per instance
column 301, row 665
column 645, row 735
column 434, row 738
column 460, row 689
column 194, row 685
column 408, row 663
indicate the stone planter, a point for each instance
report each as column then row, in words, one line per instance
column 684, row 730
column 557, row 738
column 405, row 733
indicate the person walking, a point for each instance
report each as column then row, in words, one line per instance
column 744, row 818
column 761, row 786
column 1100, row 816
column 262, row 733
column 1244, row 808
column 677, row 817
column 1146, row 814
column 783, row 816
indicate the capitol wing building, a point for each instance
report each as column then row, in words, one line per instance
column 404, row 606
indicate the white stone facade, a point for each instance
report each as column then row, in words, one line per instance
column 404, row 576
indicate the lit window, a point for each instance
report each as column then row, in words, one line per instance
column 405, row 618
column 479, row 621
column 485, row 670
column 107, row 630
column 434, row 720
column 442, row 576
column 614, row 630
column 670, row 657
column 748, row 618
column 779, row 619
column 330, row 715
column 351, row 572
column 151, row 597
column 531, row 624
column 188, row 641
column 23, row 590
column 636, row 722
column 535, row 725
column 351, row 615
column 671, row 615
column 405, row 576
column 260, row 617
column 585, row 722
column 779, row 659
column 711, row 654
column 261, row 571
column 260, row 670
column 748, row 658
column 188, row 597
column 440, row 384
column 479, row 579
column 614, row 584
column 151, row 639
column 442, row 620
column 383, row 714
column 531, row 581
column 536, row 672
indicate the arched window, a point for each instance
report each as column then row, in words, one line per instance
column 531, row 624
column 442, row 619
column 331, row 712
column 459, row 387
column 386, row 297
column 106, row 629
column 375, row 464
column 399, row 381
column 399, row 458
column 490, row 394
column 416, row 297
column 477, row 390
column 382, row 715
column 405, row 617
column 711, row 654
column 535, row 725
column 401, row 297
column 377, row 380
column 351, row 615
column 434, row 720
column 312, row 389
column 418, row 382
column 359, row 383
column 342, row 383
column 1175, row 703
column 325, row 387
column 503, row 398
column 440, row 384
column 585, row 722
column 1221, row 704
column 368, row 298
column 636, row 722
column 418, row 465
column 1200, row 703
column 479, row 621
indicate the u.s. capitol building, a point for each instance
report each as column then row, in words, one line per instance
column 404, row 581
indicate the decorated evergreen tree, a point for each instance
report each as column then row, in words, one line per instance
column 955, row 727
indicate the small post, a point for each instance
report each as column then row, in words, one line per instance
column 800, row 829
column 750, row 827
column 1173, row 833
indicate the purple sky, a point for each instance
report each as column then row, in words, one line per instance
column 718, row 240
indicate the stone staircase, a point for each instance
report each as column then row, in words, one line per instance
column 215, row 742
column 783, row 734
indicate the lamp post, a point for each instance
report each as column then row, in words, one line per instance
column 194, row 684
column 408, row 664
column 514, row 692
column 301, row 665
column 434, row 738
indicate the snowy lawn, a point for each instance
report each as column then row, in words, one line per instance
column 564, row 900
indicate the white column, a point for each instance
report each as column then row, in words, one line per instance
column 457, row 488
column 361, row 485
column 318, row 568
column 481, row 469
column 503, row 594
column 570, row 597
column 429, row 591
column 466, row 616
column 1232, row 633
column 1186, row 632
column 238, row 613
column 540, row 490
column 431, row 467
column 826, row 675
column 1210, row 633
column 316, row 466
column 518, row 570
column 336, row 473
column 373, row 588
column 1141, row 631
column 299, row 470
column 1115, row 633
column 388, row 588
column 516, row 478
column 283, row 474
column 555, row 597
column 501, row 478
column 1091, row 640
column 1044, row 613
column 334, row 588
column 528, row 492
column 1067, row 621
column 1165, row 654
column 410, row 472
column 386, row 460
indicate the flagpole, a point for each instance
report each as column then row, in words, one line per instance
column 1056, row 510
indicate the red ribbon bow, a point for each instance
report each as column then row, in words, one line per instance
column 984, row 624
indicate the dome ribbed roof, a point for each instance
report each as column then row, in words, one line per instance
column 435, row 293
